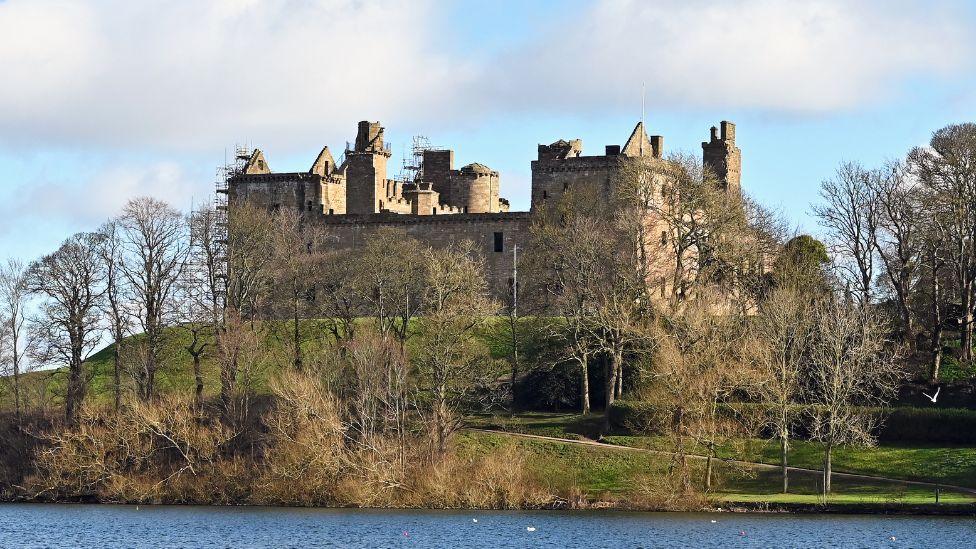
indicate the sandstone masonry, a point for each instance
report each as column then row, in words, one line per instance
column 440, row 204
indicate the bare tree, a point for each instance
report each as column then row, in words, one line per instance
column 199, row 308
column 70, row 282
column 678, row 224
column 390, row 280
column 13, row 303
column 897, row 237
column 572, row 242
column 156, row 245
column 295, row 249
column 451, row 366
column 851, row 367
column 784, row 332
column 115, row 305
column 337, row 298
column 947, row 169
column 850, row 214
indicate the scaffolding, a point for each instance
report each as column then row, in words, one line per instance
column 413, row 164
column 225, row 173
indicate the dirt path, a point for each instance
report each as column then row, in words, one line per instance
column 752, row 464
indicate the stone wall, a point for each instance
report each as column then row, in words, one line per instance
column 299, row 191
column 553, row 177
column 353, row 231
column 723, row 157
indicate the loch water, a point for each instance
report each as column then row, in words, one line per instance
column 55, row 526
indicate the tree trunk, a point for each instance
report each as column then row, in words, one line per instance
column 75, row 390
column 936, row 323
column 116, row 371
column 16, row 365
column 611, row 388
column 708, row 467
column 783, row 447
column 585, row 385
column 513, row 325
column 619, row 388
column 827, row 470
column 966, row 324
column 297, row 336
column 198, row 375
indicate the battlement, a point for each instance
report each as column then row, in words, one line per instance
column 439, row 204
column 721, row 155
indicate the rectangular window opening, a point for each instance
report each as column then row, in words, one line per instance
column 499, row 242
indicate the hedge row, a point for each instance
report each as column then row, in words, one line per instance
column 901, row 424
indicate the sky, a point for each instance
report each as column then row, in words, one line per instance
column 104, row 101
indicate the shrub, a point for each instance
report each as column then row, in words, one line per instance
column 942, row 425
column 895, row 425
column 637, row 417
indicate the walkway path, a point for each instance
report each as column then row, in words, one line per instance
column 753, row 464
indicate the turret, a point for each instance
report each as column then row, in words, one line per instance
column 722, row 157
column 475, row 189
column 366, row 170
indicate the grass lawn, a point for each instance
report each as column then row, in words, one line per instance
column 610, row 473
column 950, row 465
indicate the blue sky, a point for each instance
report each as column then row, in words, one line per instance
column 103, row 101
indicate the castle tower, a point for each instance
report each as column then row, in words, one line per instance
column 438, row 167
column 475, row 189
column 720, row 155
column 366, row 170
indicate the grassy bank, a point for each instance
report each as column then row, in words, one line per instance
column 631, row 479
column 938, row 464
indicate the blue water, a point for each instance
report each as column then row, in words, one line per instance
column 128, row 526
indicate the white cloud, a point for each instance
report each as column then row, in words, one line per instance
column 811, row 56
column 186, row 75
column 191, row 74
column 86, row 203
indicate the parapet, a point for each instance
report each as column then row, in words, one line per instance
column 369, row 137
column 561, row 150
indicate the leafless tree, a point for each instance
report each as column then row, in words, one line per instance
column 199, row 294
column 13, row 304
column 851, row 367
column 115, row 304
column 337, row 298
column 249, row 237
column 451, row 366
column 697, row 364
column 156, row 246
column 390, row 280
column 783, row 339
column 295, row 248
column 897, row 237
column 850, row 213
column 947, row 169
column 934, row 274
column 679, row 224
column 376, row 392
column 572, row 242
column 70, row 282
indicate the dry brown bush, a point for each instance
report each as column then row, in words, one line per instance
column 141, row 453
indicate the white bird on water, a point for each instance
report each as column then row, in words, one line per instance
column 933, row 397
column 530, row 528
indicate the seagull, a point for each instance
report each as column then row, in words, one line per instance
column 933, row 397
column 474, row 520
column 530, row 528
